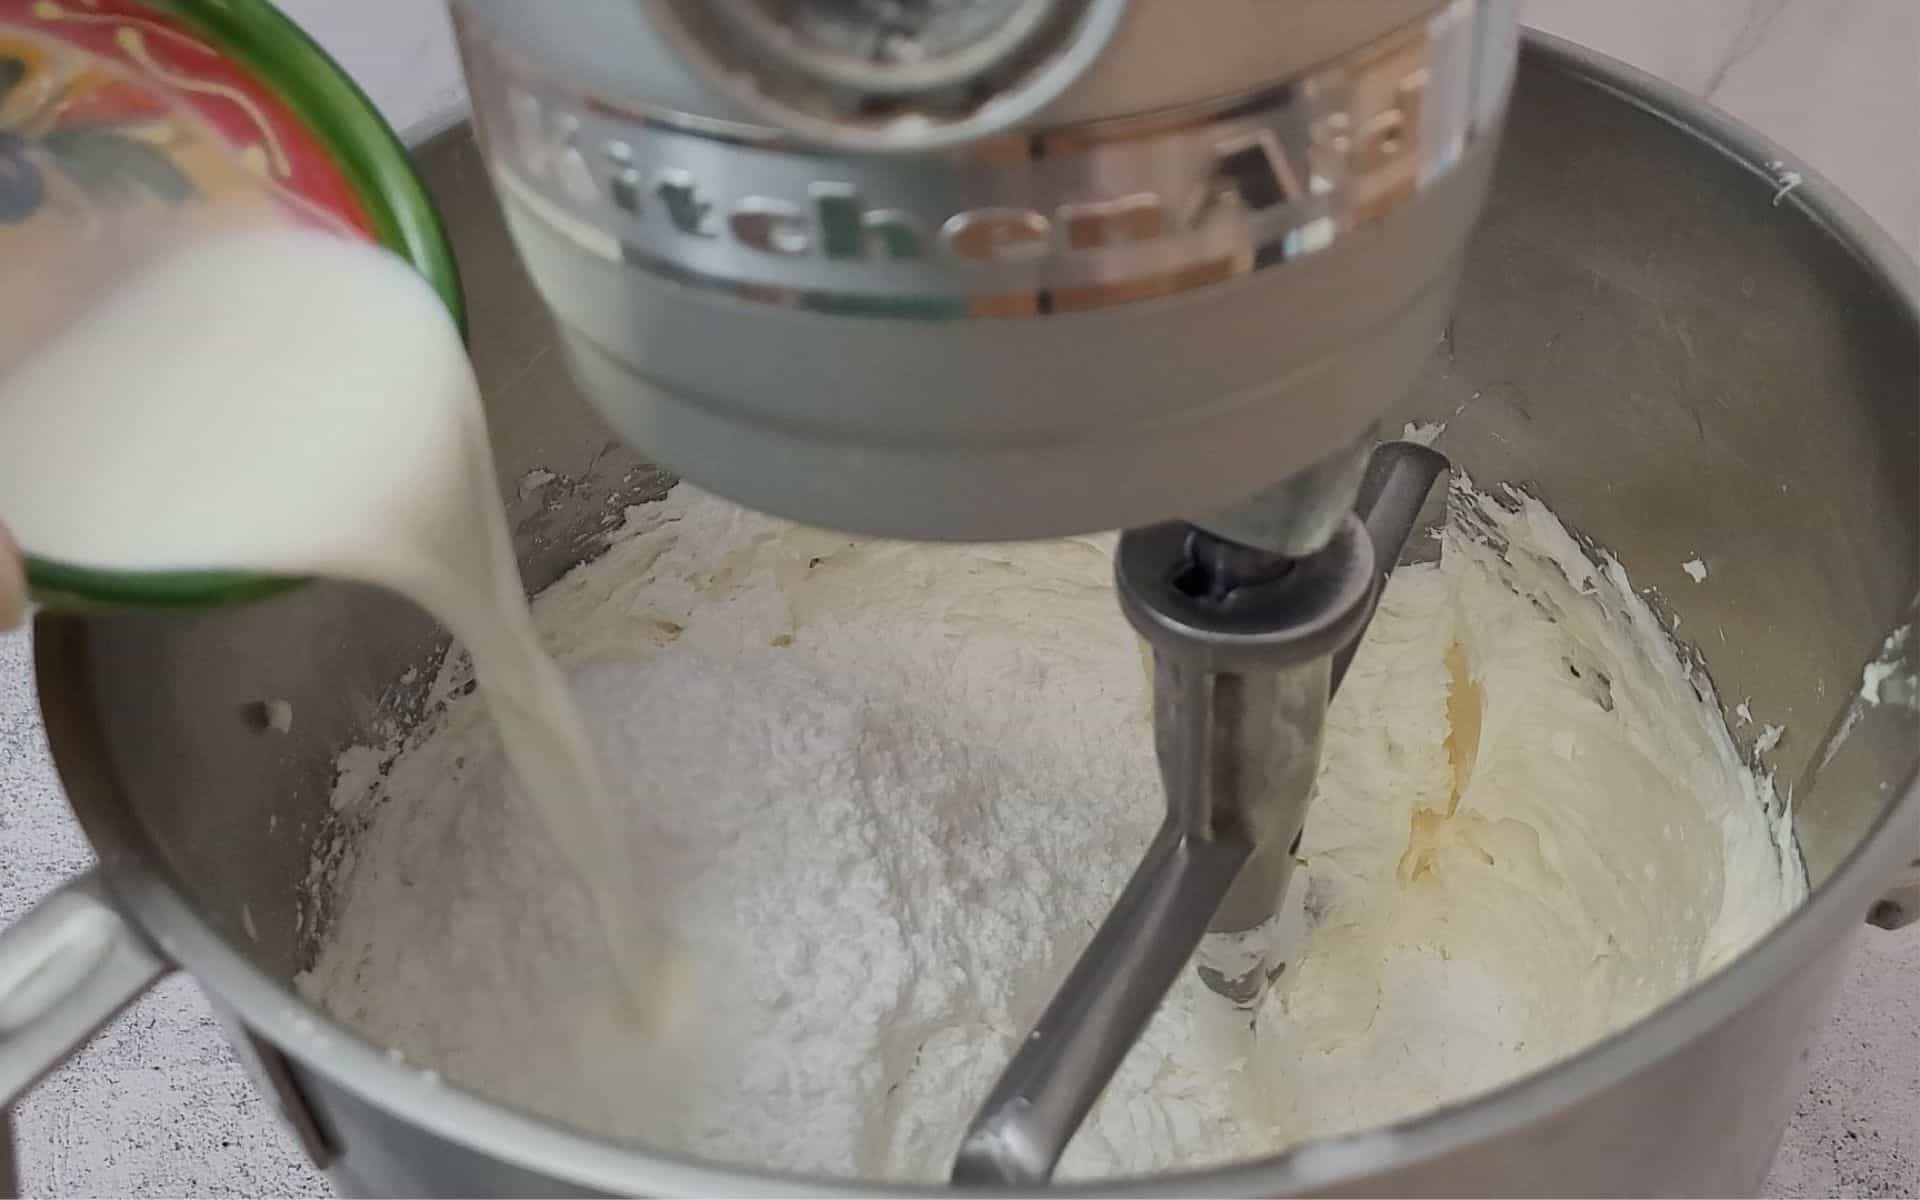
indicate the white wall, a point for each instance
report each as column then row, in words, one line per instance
column 400, row 51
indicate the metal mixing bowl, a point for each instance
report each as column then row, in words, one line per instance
column 1682, row 355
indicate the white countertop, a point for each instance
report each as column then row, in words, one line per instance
column 155, row 1105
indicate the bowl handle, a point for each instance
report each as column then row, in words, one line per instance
column 66, row 969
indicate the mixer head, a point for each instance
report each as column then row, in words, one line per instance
column 985, row 269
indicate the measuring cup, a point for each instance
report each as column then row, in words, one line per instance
column 128, row 127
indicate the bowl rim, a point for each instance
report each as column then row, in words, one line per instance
column 281, row 56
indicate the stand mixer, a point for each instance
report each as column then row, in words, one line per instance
column 993, row 269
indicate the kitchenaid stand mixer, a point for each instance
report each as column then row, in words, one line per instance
column 989, row 269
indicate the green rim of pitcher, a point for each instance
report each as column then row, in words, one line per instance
column 278, row 54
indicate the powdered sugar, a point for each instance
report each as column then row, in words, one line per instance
column 849, row 803
column 879, row 795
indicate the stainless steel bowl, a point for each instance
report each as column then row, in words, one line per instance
column 1682, row 354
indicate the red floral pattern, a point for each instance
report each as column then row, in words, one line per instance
column 121, row 83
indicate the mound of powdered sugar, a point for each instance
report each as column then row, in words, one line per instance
column 880, row 794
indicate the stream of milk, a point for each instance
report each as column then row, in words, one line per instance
column 290, row 403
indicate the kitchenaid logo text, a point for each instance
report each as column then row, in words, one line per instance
column 1358, row 158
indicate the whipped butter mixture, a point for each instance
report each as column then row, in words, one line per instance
column 880, row 794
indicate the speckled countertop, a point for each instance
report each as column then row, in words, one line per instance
column 155, row 1105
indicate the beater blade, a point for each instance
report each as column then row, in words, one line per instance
column 1248, row 648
